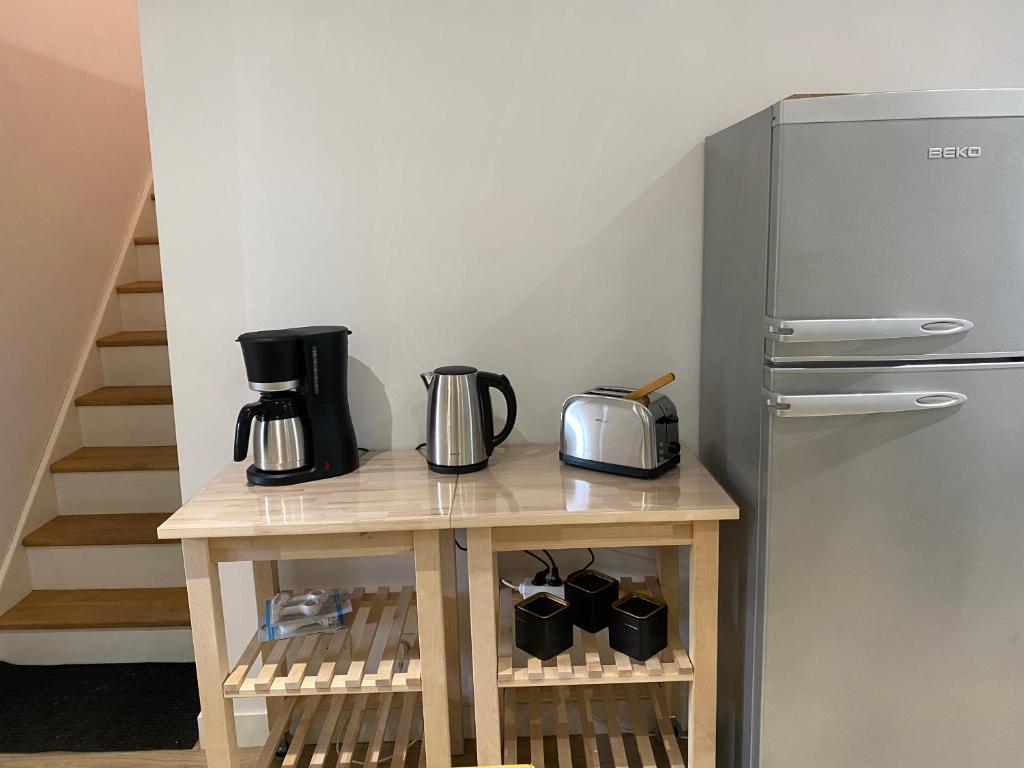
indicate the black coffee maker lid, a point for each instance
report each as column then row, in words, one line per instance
column 455, row 370
column 275, row 360
column 291, row 334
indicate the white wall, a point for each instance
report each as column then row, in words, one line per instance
column 513, row 185
column 74, row 155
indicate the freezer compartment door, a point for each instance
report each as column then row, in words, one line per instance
column 883, row 247
column 894, row 581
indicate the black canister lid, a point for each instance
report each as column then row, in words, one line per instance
column 455, row 370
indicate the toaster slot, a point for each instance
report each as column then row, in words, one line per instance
column 610, row 391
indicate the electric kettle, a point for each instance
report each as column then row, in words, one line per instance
column 460, row 424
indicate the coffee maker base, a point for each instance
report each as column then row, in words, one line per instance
column 259, row 477
column 458, row 470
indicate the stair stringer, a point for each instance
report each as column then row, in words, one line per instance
column 65, row 436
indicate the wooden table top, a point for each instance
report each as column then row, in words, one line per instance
column 391, row 491
column 394, row 491
column 528, row 485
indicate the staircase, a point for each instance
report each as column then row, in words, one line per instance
column 103, row 588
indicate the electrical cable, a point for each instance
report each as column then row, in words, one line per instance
column 589, row 563
column 554, row 580
column 539, row 559
column 457, row 544
column 541, row 577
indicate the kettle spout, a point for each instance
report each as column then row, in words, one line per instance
column 427, row 378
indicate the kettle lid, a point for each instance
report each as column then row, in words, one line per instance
column 455, row 370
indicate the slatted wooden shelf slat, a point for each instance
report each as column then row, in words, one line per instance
column 347, row 720
column 590, row 661
column 375, row 652
column 548, row 711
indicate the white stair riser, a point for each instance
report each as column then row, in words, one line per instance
column 96, row 646
column 106, row 567
column 127, row 424
column 146, row 225
column 135, row 366
column 97, row 493
column 149, row 261
column 142, row 311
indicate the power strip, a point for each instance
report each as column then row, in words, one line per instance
column 527, row 589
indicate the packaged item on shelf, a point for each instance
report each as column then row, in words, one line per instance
column 287, row 614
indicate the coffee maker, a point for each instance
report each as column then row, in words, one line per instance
column 303, row 425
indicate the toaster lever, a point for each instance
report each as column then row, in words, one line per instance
column 667, row 420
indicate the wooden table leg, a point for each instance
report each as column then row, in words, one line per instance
column 266, row 584
column 668, row 580
column 483, row 615
column 703, row 644
column 207, row 612
column 431, row 627
column 453, row 657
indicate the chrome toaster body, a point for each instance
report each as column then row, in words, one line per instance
column 601, row 430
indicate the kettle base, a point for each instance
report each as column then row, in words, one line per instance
column 463, row 469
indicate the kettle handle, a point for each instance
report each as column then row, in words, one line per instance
column 245, row 417
column 486, row 381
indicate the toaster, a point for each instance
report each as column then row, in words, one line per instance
column 602, row 430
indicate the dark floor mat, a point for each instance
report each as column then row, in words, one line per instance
column 98, row 707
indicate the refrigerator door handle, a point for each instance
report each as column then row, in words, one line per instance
column 863, row 329
column 860, row 403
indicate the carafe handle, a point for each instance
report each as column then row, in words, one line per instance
column 245, row 417
column 487, row 381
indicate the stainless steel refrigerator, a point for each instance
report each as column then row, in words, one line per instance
column 862, row 398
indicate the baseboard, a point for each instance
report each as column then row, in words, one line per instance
column 250, row 724
column 95, row 646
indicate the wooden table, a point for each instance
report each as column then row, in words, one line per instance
column 392, row 504
column 527, row 499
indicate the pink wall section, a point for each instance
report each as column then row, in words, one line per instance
column 74, row 153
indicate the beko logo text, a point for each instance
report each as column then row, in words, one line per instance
column 953, row 153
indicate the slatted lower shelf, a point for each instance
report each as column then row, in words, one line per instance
column 361, row 730
column 636, row 719
column 376, row 652
column 590, row 661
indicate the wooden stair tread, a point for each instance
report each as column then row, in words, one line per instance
column 127, row 458
column 97, row 530
column 149, row 395
column 147, row 240
column 99, row 609
column 134, row 339
column 142, row 286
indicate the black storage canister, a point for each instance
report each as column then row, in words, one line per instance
column 543, row 626
column 638, row 626
column 590, row 595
